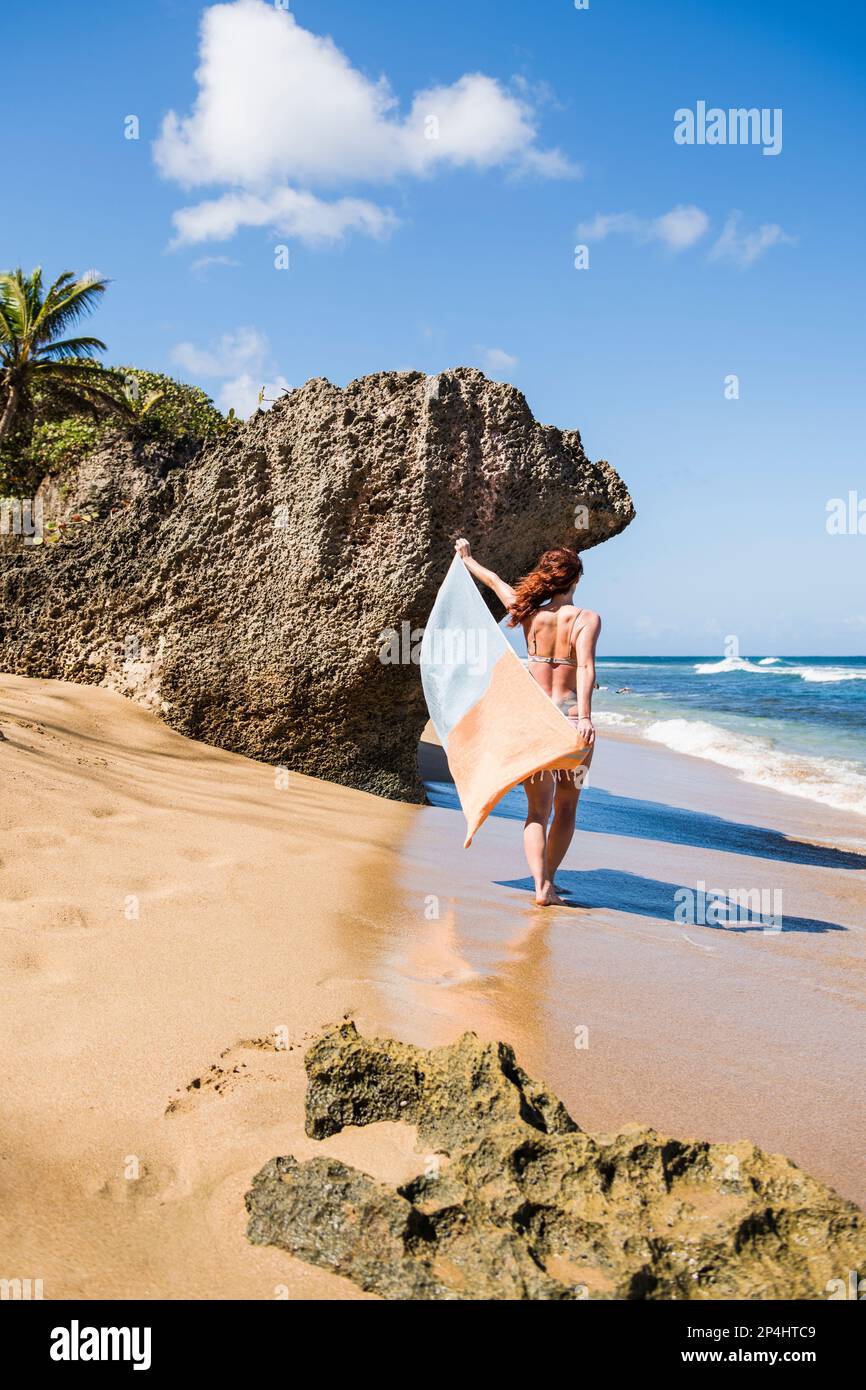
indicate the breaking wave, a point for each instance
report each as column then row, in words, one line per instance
column 833, row 782
column 772, row 666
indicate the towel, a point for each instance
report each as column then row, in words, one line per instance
column 493, row 719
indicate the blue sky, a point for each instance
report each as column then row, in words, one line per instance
column 463, row 251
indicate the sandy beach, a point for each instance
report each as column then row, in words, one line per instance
column 178, row 921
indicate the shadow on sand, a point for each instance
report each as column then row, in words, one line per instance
column 649, row 897
column 602, row 813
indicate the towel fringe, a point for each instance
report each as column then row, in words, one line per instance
column 557, row 773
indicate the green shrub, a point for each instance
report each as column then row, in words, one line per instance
column 55, row 444
column 168, row 408
column 156, row 408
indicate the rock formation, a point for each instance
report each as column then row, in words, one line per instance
column 519, row 1203
column 244, row 595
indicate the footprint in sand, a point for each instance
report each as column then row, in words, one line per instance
column 43, row 914
column 37, row 838
column 32, row 725
column 25, row 962
column 137, row 1179
column 205, row 857
column 231, row 1071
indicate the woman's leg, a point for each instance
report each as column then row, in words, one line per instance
column 539, row 797
column 562, row 829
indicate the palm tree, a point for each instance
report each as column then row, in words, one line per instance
column 42, row 372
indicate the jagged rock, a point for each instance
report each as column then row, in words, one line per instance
column 451, row 1094
column 245, row 597
column 333, row 1216
column 525, row 1205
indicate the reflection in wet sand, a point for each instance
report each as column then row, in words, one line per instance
column 615, row 1004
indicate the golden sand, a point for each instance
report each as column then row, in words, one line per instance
column 176, row 922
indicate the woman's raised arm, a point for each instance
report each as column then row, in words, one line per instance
column 503, row 591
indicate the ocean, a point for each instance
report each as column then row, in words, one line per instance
column 796, row 724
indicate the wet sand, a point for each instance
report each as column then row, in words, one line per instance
column 721, row 1031
column 175, row 923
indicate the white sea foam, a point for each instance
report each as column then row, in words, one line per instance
column 613, row 718
column 770, row 666
column 832, row 782
column 829, row 673
column 727, row 663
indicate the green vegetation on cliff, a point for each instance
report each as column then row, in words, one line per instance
column 58, row 402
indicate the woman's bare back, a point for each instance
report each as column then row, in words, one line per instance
column 551, row 637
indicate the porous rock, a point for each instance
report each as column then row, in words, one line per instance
column 519, row 1203
column 244, row 596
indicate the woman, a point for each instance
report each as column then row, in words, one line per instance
column 560, row 641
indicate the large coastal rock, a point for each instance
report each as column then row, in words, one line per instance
column 244, row 595
column 519, row 1203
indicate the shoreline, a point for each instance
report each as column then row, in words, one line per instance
column 843, row 821
column 263, row 909
column 754, row 800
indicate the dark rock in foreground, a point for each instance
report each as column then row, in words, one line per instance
column 520, row 1203
column 244, row 595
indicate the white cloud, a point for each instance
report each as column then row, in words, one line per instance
column 232, row 351
column 288, row 211
column 242, row 394
column 677, row 230
column 241, row 361
column 605, row 223
column 205, row 263
column 496, row 359
column 281, row 110
column 744, row 248
column 548, row 164
column 681, row 227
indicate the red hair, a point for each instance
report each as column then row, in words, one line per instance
column 556, row 571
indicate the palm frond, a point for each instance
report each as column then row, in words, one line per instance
column 13, row 293
column 72, row 347
column 42, row 369
column 62, row 394
column 7, row 332
column 65, row 304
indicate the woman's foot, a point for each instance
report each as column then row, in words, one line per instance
column 547, row 896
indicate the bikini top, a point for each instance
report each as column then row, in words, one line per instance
column 553, row 660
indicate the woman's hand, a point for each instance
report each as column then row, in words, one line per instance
column 586, row 730
column 503, row 591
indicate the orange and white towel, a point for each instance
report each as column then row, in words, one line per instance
column 494, row 721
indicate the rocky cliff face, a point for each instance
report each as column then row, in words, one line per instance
column 519, row 1203
column 244, row 596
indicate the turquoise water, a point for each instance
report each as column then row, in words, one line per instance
column 797, row 724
